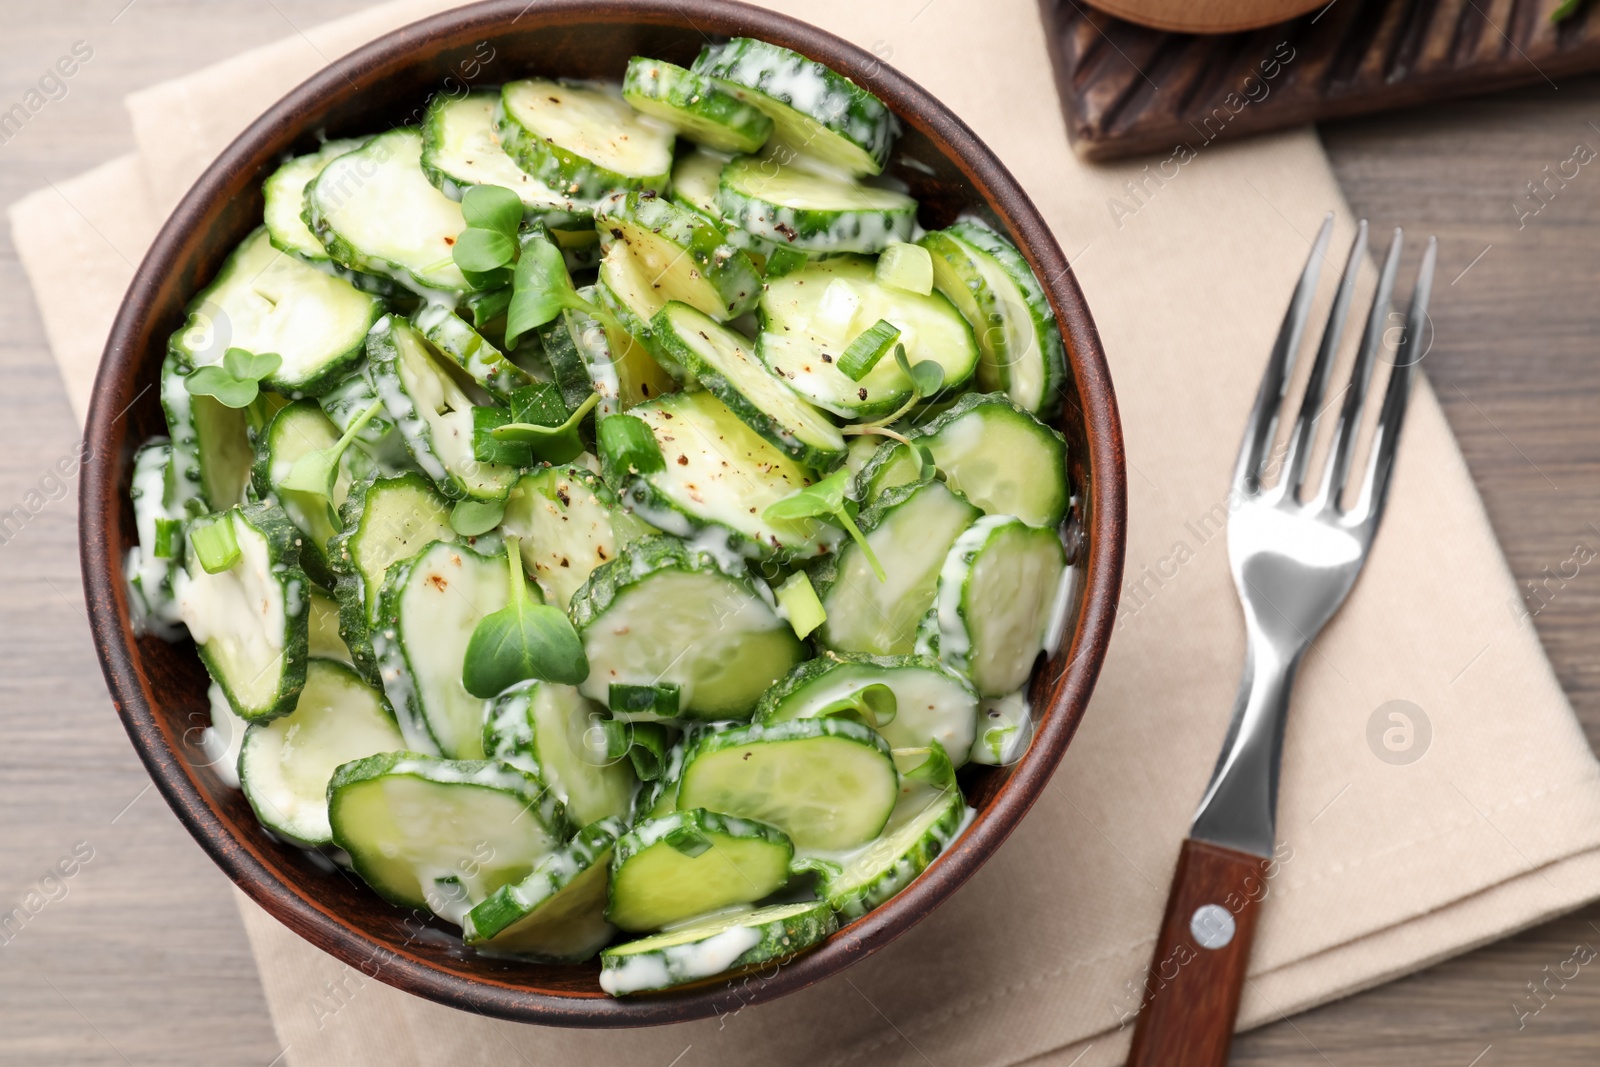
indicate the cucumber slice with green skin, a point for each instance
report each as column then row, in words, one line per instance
column 1001, row 458
column 924, row 822
column 694, row 181
column 385, row 519
column 788, row 205
column 582, row 138
column 553, row 733
column 892, row 465
column 427, row 611
column 347, row 400
column 628, row 294
column 991, row 284
column 813, row 109
column 718, row 480
column 827, row 783
column 450, row 334
column 285, row 194
column 569, row 522
column 1036, row 362
column 150, row 575
column 810, row 316
column 667, row 612
column 695, row 106
column 285, row 764
column 411, row 822
column 726, row 365
column 323, row 640
column 295, row 430
column 1005, row 730
column 461, row 148
column 587, row 356
column 433, row 413
column 691, row 862
column 932, row 702
column 264, row 300
column 910, row 529
column 660, row 797
column 679, row 255
column 558, row 913
column 251, row 621
column 714, row 946
column 375, row 211
column 212, row 451
column 997, row 593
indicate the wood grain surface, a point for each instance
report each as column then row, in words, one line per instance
column 143, row 960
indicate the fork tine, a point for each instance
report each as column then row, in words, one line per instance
column 1341, row 448
column 1380, row 465
column 1262, row 426
column 1304, row 433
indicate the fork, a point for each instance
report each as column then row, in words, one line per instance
column 1293, row 561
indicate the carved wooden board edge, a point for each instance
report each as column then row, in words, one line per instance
column 1127, row 89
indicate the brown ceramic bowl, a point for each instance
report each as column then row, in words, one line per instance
column 160, row 689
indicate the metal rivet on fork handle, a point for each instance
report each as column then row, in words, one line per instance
column 1211, row 926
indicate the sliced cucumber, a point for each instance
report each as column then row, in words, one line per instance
column 694, row 181
column 692, row 862
column 433, row 412
column 323, row 640
column 715, row 945
column 552, row 732
column 987, row 279
column 374, row 210
column 295, row 430
column 1005, row 730
column 588, row 356
column 285, row 194
column 924, row 822
column 452, row 335
column 385, row 520
column 997, row 590
column 558, row 913
column 931, row 702
column 815, row 212
column 814, row 109
column 285, row 764
column 461, row 148
column 910, row 529
column 660, row 796
column 723, row 362
column 892, row 464
column 693, row 105
column 350, row 398
column 211, row 453
column 664, row 611
column 679, row 254
column 1001, row 458
column 417, row 828
column 810, row 316
column 827, row 783
column 628, row 294
column 718, row 479
column 251, row 620
column 427, row 611
column 569, row 523
column 149, row 571
column 264, row 300
column 582, row 138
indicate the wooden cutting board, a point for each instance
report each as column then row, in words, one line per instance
column 1127, row 89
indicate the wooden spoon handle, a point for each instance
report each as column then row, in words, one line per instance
column 1197, row 973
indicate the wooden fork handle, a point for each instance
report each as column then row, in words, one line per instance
column 1192, row 991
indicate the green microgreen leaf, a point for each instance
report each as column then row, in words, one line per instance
column 541, row 286
column 482, row 250
column 214, row 544
column 492, row 207
column 871, row 705
column 869, row 346
column 927, row 377
column 554, row 444
column 469, row 518
column 1566, row 10
column 826, row 500
column 539, row 403
column 243, row 364
column 486, row 418
column 214, row 381
column 314, row 471
column 525, row 639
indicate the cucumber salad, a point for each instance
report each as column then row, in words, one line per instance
column 609, row 520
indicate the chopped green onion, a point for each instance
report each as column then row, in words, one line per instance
column 168, row 531
column 660, row 700
column 868, row 348
column 626, row 446
column 799, row 602
column 906, row 267
column 214, row 544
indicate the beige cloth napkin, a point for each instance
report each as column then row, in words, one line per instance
column 1386, row 868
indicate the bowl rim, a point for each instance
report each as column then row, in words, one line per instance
column 1068, row 686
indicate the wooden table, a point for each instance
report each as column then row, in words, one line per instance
column 141, row 957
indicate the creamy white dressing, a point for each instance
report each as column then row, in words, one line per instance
column 154, row 610
column 241, row 617
column 1058, row 610
column 1005, row 729
column 679, row 963
column 222, row 740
